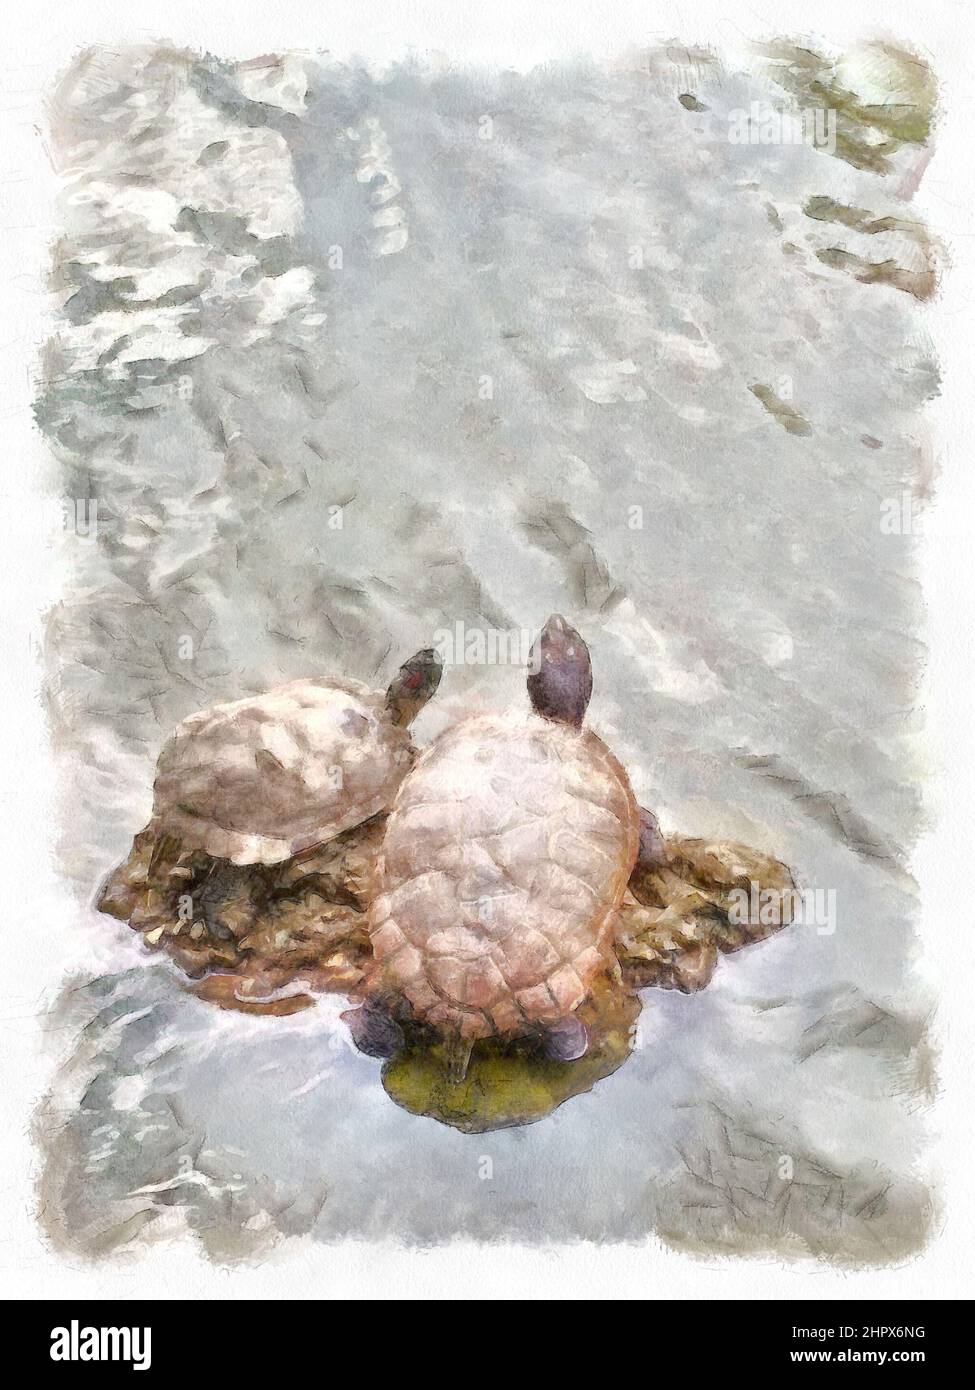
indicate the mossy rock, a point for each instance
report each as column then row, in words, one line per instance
column 514, row 1083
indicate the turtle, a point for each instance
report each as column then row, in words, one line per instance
column 246, row 795
column 515, row 868
column 270, row 938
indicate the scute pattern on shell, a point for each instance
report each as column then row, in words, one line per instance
column 259, row 779
column 506, row 855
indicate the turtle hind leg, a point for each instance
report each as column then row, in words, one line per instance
column 374, row 1031
column 567, row 1040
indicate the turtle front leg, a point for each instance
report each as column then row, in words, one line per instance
column 652, row 881
column 652, row 855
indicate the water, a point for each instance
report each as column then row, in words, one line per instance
column 341, row 372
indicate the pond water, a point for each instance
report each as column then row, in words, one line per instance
column 352, row 358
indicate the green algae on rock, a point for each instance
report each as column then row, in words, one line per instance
column 514, row 1084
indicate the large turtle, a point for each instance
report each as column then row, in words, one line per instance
column 244, row 787
column 503, row 880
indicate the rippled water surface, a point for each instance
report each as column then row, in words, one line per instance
column 607, row 362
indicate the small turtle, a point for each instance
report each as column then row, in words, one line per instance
column 503, row 879
column 249, row 785
column 258, row 780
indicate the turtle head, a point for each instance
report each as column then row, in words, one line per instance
column 560, row 673
column 411, row 687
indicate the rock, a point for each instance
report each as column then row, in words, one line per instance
column 703, row 902
column 246, row 932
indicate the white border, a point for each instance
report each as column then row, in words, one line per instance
column 38, row 42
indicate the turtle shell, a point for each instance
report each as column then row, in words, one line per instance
column 505, row 858
column 257, row 780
